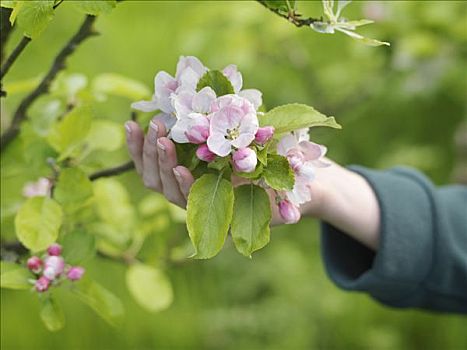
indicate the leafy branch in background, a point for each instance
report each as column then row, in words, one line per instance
column 332, row 22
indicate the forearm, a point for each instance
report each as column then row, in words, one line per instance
column 345, row 200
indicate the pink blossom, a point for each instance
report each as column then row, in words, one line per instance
column 233, row 124
column 35, row 264
column 53, row 267
column 244, row 160
column 40, row 188
column 236, row 79
column 205, row 154
column 42, row 284
column 75, row 273
column 54, row 249
column 289, row 212
column 303, row 156
column 264, row 134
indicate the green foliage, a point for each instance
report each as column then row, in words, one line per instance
column 94, row 7
column 32, row 16
column 278, row 174
column 67, row 136
column 217, row 81
column 73, row 189
column 251, row 217
column 78, row 246
column 52, row 314
column 14, row 276
column 209, row 212
column 283, row 6
column 105, row 135
column 295, row 116
column 38, row 223
column 149, row 286
column 101, row 300
column 119, row 85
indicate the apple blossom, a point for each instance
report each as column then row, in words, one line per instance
column 54, row 249
column 244, row 160
column 53, row 267
column 75, row 273
column 233, row 124
column 264, row 134
column 42, row 284
column 39, row 188
column 35, row 264
column 235, row 77
column 205, row 154
column 289, row 212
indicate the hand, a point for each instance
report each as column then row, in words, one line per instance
column 339, row 196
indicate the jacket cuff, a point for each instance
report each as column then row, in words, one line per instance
column 405, row 254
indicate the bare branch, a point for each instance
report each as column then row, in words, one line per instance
column 112, row 171
column 84, row 32
column 292, row 16
column 14, row 55
column 5, row 29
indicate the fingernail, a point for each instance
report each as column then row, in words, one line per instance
column 160, row 145
column 154, row 126
column 178, row 176
column 128, row 128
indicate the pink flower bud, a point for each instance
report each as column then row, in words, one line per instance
column 53, row 267
column 205, row 154
column 75, row 273
column 245, row 160
column 42, row 284
column 54, row 250
column 264, row 134
column 295, row 158
column 198, row 134
column 288, row 212
column 35, row 264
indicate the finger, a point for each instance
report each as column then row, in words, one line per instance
column 151, row 178
column 184, row 178
column 168, row 161
column 135, row 139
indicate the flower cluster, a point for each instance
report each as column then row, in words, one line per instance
column 51, row 269
column 211, row 111
column 219, row 125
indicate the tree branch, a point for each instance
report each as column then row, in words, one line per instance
column 292, row 16
column 14, row 55
column 84, row 32
column 112, row 171
column 5, row 30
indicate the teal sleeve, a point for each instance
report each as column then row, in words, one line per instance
column 422, row 258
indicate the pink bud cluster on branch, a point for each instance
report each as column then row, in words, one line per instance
column 52, row 269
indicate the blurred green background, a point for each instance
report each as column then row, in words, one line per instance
column 397, row 105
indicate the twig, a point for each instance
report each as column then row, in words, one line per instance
column 20, row 115
column 112, row 171
column 5, row 30
column 292, row 16
column 14, row 55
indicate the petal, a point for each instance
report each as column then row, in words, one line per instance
column 177, row 133
column 244, row 140
column 311, row 150
column 300, row 193
column 286, row 143
column 191, row 62
column 203, row 99
column 145, row 106
column 302, row 134
column 234, row 76
column 168, row 120
column 249, row 124
column 189, row 79
column 182, row 102
column 252, row 95
column 218, row 144
column 162, row 79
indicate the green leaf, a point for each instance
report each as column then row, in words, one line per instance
column 38, row 223
column 78, row 246
column 219, row 163
column 105, row 135
column 8, row 3
column 101, row 300
column 33, row 16
column 278, row 174
column 95, row 8
column 281, row 5
column 149, row 286
column 251, row 218
column 52, row 315
column 209, row 212
column 73, row 190
column 295, row 116
column 69, row 134
column 119, row 85
column 186, row 155
column 254, row 174
column 217, row 81
column 14, row 276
